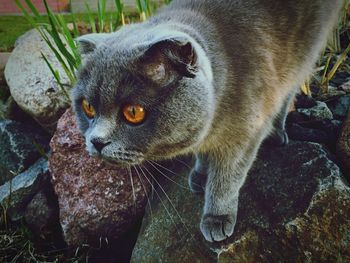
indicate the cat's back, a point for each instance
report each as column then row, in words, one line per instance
column 224, row 8
column 295, row 20
column 292, row 31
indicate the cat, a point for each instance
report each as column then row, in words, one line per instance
column 209, row 77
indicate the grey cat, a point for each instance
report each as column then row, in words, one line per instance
column 211, row 77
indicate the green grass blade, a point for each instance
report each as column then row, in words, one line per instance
column 56, row 75
column 338, row 63
column 32, row 8
column 58, row 41
column 101, row 12
column 69, row 38
column 139, row 6
column 91, row 18
column 26, row 14
column 75, row 28
column 119, row 6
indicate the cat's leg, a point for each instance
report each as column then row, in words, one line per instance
column 198, row 176
column 279, row 136
column 226, row 175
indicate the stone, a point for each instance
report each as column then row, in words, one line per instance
column 332, row 93
column 339, row 78
column 20, row 146
column 9, row 110
column 4, row 92
column 343, row 147
column 303, row 101
column 293, row 207
column 6, row 108
column 4, row 56
column 42, row 216
column 345, row 86
column 96, row 200
column 340, row 106
column 300, row 133
column 18, row 192
column 318, row 112
column 31, row 82
column 296, row 117
column 324, row 131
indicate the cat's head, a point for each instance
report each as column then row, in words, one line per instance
column 146, row 96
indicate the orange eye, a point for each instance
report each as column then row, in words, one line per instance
column 88, row 109
column 134, row 113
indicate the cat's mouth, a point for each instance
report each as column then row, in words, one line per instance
column 120, row 162
column 122, row 157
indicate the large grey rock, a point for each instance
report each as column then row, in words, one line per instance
column 31, row 82
column 20, row 147
column 18, row 192
column 294, row 207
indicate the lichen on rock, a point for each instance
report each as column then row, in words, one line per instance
column 294, row 207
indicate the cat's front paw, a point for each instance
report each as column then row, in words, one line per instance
column 278, row 138
column 197, row 182
column 217, row 227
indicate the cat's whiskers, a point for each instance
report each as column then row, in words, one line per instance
column 132, row 187
column 145, row 191
column 158, row 195
column 171, row 203
column 162, row 166
column 153, row 164
column 182, row 162
column 191, row 236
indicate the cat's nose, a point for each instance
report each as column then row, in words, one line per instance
column 99, row 144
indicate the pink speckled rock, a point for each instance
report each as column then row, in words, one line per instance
column 95, row 199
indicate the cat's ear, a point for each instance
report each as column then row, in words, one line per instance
column 88, row 43
column 169, row 59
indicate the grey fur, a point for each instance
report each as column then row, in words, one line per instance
column 220, row 98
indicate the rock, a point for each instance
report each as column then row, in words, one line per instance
column 332, row 93
column 303, row 101
column 17, row 193
column 296, row 117
column 4, row 56
column 4, row 92
column 96, row 200
column 9, row 110
column 318, row 112
column 42, row 216
column 31, row 82
column 345, row 86
column 294, row 207
column 339, row 78
column 340, row 106
column 20, row 147
column 343, row 147
column 300, row 133
column 6, row 108
column 324, row 131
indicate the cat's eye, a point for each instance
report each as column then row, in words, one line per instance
column 134, row 114
column 88, row 109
